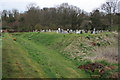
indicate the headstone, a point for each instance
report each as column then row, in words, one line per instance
column 94, row 31
column 43, row 30
column 59, row 30
column 77, row 31
column 86, row 31
column 68, row 30
column 98, row 31
column 81, row 32
column 65, row 32
column 35, row 30
column 49, row 30
column 71, row 31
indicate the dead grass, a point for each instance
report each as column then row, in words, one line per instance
column 108, row 49
column 108, row 53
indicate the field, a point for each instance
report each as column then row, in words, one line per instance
column 55, row 55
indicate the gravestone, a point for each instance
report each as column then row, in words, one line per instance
column 71, row 31
column 77, row 31
column 62, row 31
column 68, row 30
column 93, row 31
column 80, row 31
column 65, row 31
column 58, row 30
column 83, row 31
column 49, row 30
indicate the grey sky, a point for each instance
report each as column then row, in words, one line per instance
column 87, row 5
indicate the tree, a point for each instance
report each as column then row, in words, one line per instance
column 32, row 16
column 110, row 7
column 96, row 19
column 15, row 13
column 4, row 18
column 64, row 16
column 4, row 13
column 69, row 16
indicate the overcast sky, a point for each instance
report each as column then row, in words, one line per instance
column 87, row 5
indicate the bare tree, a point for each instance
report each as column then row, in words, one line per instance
column 32, row 6
column 15, row 12
column 110, row 7
column 32, row 16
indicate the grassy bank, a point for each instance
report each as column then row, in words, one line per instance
column 52, row 55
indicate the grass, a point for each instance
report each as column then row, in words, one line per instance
column 25, row 58
column 17, row 62
column 50, row 55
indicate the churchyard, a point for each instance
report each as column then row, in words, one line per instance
column 62, row 41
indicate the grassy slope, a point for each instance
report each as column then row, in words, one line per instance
column 74, row 46
column 17, row 62
column 48, row 54
column 26, row 58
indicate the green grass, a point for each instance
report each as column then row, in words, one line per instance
column 45, row 55
column 25, row 58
